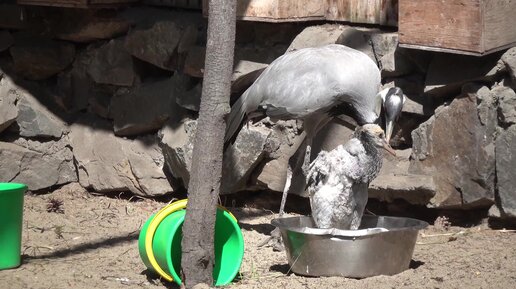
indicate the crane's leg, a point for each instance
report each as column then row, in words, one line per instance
column 308, row 154
column 312, row 126
column 274, row 240
column 288, row 181
column 299, row 159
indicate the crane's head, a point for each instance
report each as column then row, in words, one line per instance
column 374, row 134
column 391, row 100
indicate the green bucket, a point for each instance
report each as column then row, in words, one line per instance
column 11, row 215
column 166, row 246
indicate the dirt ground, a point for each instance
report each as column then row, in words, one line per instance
column 93, row 244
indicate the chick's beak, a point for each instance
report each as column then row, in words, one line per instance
column 388, row 148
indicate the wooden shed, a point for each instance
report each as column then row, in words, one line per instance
column 474, row 27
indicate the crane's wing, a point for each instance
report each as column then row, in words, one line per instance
column 319, row 169
column 311, row 79
column 360, row 196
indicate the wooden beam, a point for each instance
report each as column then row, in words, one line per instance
column 76, row 3
column 382, row 12
column 476, row 27
column 277, row 10
column 499, row 24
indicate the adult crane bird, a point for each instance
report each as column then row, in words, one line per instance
column 315, row 84
column 338, row 180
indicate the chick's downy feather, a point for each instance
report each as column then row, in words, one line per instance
column 338, row 182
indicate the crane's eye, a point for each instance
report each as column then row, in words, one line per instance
column 382, row 135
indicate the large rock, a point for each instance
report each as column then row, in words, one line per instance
column 190, row 25
column 240, row 157
column 505, row 164
column 77, row 91
column 144, row 109
column 244, row 74
column 32, row 114
column 395, row 182
column 74, row 89
column 107, row 163
column 81, row 25
column 187, row 91
column 177, row 145
column 413, row 87
column 37, row 58
column 112, row 64
column 194, row 62
column 74, row 86
column 258, row 53
column 507, row 104
column 36, row 120
column 378, row 45
column 412, row 188
column 456, row 147
column 155, row 44
column 248, row 57
column 8, row 99
column 40, row 165
column 382, row 48
column 447, row 73
column 397, row 63
column 315, row 36
column 284, row 142
column 6, row 40
column 509, row 59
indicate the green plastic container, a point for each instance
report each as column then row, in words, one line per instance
column 11, row 215
column 166, row 246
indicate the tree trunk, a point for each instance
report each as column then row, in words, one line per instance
column 199, row 226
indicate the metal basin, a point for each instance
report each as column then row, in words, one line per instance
column 381, row 246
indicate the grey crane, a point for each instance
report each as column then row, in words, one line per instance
column 338, row 180
column 315, row 84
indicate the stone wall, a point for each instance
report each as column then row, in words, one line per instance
column 109, row 99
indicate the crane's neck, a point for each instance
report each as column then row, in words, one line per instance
column 360, row 115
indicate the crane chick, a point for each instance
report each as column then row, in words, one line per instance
column 338, row 180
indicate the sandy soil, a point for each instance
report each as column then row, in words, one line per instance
column 93, row 244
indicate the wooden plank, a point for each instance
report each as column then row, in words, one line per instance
column 383, row 12
column 190, row 4
column 108, row 2
column 76, row 3
column 457, row 51
column 499, row 24
column 292, row 9
column 440, row 49
column 452, row 24
column 57, row 3
column 277, row 10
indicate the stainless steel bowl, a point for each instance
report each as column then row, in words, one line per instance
column 381, row 246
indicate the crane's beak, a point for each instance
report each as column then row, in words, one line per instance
column 388, row 130
column 388, row 148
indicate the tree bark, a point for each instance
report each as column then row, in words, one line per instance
column 198, row 256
